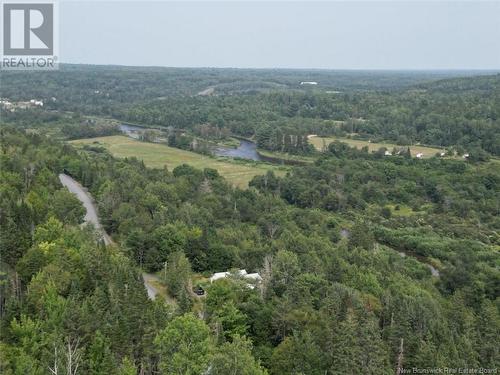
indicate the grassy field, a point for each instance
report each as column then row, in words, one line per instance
column 157, row 155
column 319, row 142
column 285, row 156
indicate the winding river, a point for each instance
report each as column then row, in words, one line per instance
column 246, row 149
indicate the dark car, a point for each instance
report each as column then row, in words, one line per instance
column 198, row 290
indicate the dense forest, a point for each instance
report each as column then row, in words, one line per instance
column 403, row 108
column 354, row 295
column 368, row 263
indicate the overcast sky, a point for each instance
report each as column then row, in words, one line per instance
column 303, row 34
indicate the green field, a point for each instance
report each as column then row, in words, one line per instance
column 157, row 155
column 320, row 142
column 286, row 156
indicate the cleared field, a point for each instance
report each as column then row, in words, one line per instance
column 287, row 157
column 158, row 155
column 320, row 142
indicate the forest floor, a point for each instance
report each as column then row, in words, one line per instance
column 157, row 156
column 320, row 142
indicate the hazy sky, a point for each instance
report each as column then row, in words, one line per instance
column 301, row 34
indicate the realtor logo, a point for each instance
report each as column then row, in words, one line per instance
column 28, row 29
column 29, row 35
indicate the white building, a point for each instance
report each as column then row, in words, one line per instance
column 419, row 155
column 218, row 275
column 308, row 83
column 241, row 273
column 253, row 276
column 35, row 102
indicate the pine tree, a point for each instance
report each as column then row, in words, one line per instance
column 127, row 367
column 100, row 358
column 236, row 358
column 372, row 349
column 346, row 355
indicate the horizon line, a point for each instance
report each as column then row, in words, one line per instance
column 294, row 68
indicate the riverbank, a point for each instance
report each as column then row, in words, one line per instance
column 284, row 158
column 235, row 147
column 154, row 155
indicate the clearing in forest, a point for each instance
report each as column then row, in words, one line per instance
column 320, row 142
column 157, row 155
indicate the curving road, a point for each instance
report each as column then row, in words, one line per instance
column 91, row 217
column 148, row 283
column 84, row 196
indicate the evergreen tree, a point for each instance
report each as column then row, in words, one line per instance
column 346, row 355
column 100, row 358
column 298, row 354
column 236, row 358
column 184, row 346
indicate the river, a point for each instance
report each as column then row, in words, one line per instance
column 131, row 130
column 246, row 150
column 91, row 217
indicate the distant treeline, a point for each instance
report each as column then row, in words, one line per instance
column 89, row 130
column 405, row 107
column 469, row 117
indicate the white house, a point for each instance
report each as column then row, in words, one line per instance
column 253, row 276
column 466, row 156
column 387, row 153
column 419, row 155
column 35, row 102
column 242, row 273
column 218, row 275
column 308, row 83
